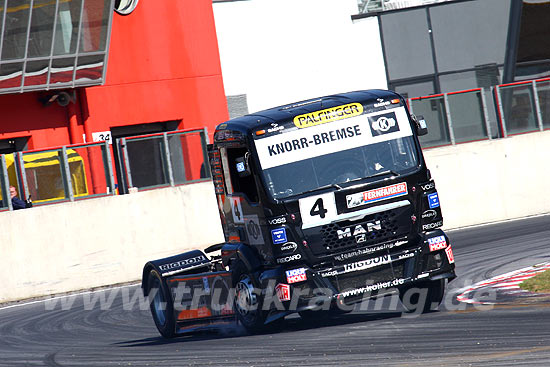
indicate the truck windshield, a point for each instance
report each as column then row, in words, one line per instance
column 304, row 159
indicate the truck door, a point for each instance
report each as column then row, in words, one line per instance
column 242, row 209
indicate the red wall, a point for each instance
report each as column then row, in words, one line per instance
column 163, row 65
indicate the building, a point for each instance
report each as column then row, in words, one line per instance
column 74, row 71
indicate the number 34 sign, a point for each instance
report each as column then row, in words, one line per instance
column 317, row 210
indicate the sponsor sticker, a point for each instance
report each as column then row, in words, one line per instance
column 428, row 186
column 278, row 235
column 283, row 292
column 367, row 264
column 183, row 263
column 383, row 124
column 359, row 232
column 289, row 246
column 433, row 200
column 296, row 275
column 368, row 251
column 374, row 287
column 426, row 227
column 319, row 138
column 375, row 195
column 450, row 255
column 252, row 227
column 437, row 243
column 278, row 220
column 288, row 259
column 328, row 115
column 429, row 214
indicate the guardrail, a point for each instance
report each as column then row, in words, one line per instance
column 523, row 106
column 173, row 158
column 83, row 171
column 456, row 117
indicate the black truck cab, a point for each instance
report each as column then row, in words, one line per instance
column 331, row 192
column 325, row 203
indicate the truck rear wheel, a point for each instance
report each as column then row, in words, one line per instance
column 161, row 304
column 248, row 299
column 433, row 290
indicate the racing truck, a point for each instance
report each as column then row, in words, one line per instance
column 324, row 203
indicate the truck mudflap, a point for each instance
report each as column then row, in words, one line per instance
column 195, row 261
column 201, row 300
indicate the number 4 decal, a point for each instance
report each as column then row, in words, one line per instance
column 317, row 210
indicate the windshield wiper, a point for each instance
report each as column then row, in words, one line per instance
column 336, row 186
column 384, row 173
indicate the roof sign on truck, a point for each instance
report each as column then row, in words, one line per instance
column 324, row 138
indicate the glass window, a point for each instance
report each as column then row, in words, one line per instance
column 295, row 178
column 433, row 110
column 413, row 89
column 543, row 91
column 89, row 68
column 407, row 44
column 10, row 75
column 62, row 70
column 467, row 116
column 146, row 157
column 469, row 33
column 44, row 175
column 94, row 25
column 36, row 72
column 15, row 34
column 40, row 37
column 519, row 109
column 66, row 30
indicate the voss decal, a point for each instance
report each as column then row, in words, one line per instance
column 375, row 195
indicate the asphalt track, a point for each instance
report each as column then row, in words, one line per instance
column 117, row 333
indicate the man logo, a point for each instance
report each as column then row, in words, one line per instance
column 359, row 231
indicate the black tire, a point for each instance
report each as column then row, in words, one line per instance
column 248, row 300
column 161, row 304
column 434, row 291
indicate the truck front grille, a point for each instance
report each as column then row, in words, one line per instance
column 393, row 224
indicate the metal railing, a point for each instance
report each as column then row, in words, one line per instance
column 164, row 159
column 523, row 107
column 453, row 118
column 83, row 171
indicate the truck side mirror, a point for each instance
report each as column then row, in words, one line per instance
column 421, row 125
column 242, row 166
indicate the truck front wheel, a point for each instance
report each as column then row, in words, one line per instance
column 161, row 305
column 248, row 299
column 424, row 296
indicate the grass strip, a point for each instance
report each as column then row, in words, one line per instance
column 540, row 283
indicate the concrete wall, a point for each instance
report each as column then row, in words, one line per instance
column 91, row 243
column 490, row 181
column 281, row 51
